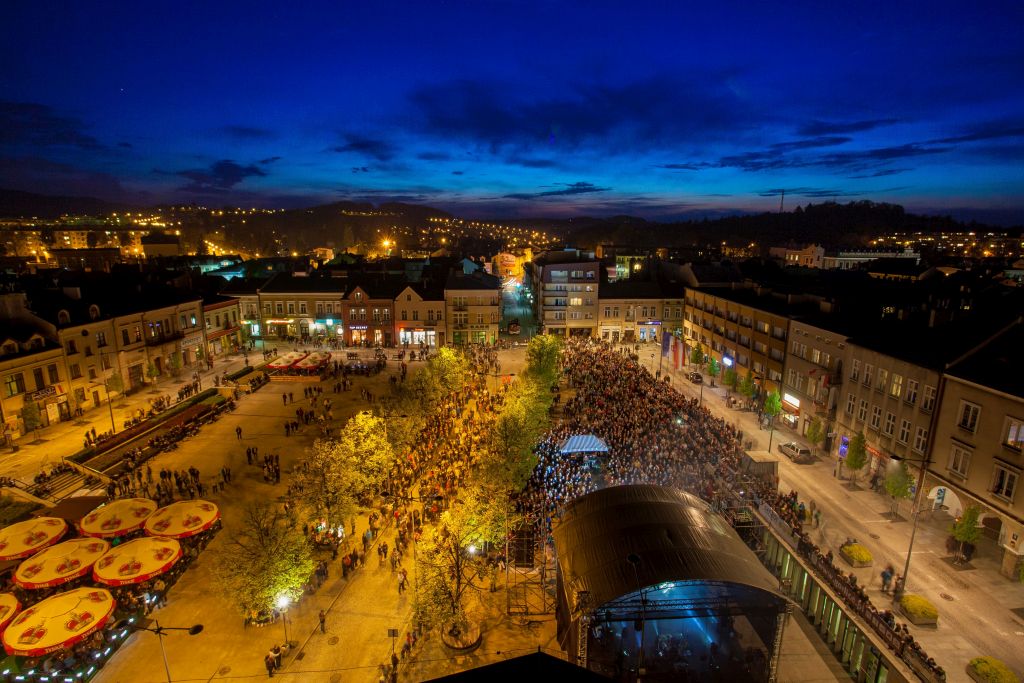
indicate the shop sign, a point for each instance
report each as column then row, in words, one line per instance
column 791, row 400
column 44, row 392
column 357, row 327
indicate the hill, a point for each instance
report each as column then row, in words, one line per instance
column 18, row 204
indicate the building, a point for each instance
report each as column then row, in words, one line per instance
column 565, row 285
column 631, row 311
column 369, row 310
column 813, row 375
column 301, row 306
column 419, row 316
column 977, row 457
column 811, row 256
column 472, row 307
column 222, row 319
column 247, row 292
column 847, row 260
column 99, row 259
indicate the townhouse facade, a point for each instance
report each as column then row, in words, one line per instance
column 369, row 315
column 301, row 307
column 419, row 317
column 565, row 286
column 813, row 377
column 223, row 325
column 472, row 307
column 639, row 311
column 35, row 390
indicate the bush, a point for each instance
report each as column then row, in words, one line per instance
column 991, row 670
column 855, row 552
column 13, row 510
column 918, row 607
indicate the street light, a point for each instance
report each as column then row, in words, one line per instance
column 282, row 604
column 161, row 631
column 922, row 466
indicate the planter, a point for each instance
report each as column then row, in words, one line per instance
column 462, row 638
column 918, row 610
column 856, row 555
column 990, row 670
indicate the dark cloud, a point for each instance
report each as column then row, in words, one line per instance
column 811, row 143
column 853, row 160
column 695, row 166
column 569, row 189
column 37, row 125
column 269, row 160
column 35, row 174
column 219, row 178
column 530, row 162
column 881, row 173
column 381, row 150
column 248, row 132
column 823, row 192
column 988, row 131
column 815, row 128
column 434, row 156
column 457, row 172
column 360, row 169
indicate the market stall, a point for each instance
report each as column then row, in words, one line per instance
column 117, row 518
column 137, row 561
column 182, row 519
column 29, row 537
column 60, row 563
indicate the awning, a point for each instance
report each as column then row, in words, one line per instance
column 117, row 517
column 182, row 519
column 29, row 537
column 60, row 563
column 583, row 443
column 59, row 622
column 137, row 561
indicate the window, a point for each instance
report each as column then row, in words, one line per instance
column 15, row 384
column 854, row 370
column 904, row 435
column 279, row 308
column 815, row 356
column 76, row 371
column 883, row 379
column 80, row 395
column 869, row 370
column 607, row 311
column 862, row 410
column 124, row 336
column 37, row 375
column 1004, row 482
column 415, row 315
column 876, row 416
column 911, row 395
column 101, row 339
column 267, row 309
column 851, row 403
column 404, row 315
column 928, row 399
column 969, row 414
column 51, row 371
column 890, row 424
column 92, row 372
column 480, row 318
column 72, row 347
column 896, row 387
column 921, row 439
column 959, row 460
column 302, row 307
column 330, row 308
column 1013, row 433
column 319, row 309
column 291, row 308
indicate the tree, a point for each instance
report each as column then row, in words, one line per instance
column 521, row 421
column 772, row 406
column 747, row 387
column 174, row 364
column 266, row 559
column 31, row 416
column 730, row 378
column 966, row 531
column 115, row 384
column 713, row 369
column 329, row 483
column 542, row 356
column 697, row 355
column 815, row 432
column 450, row 368
column 856, row 455
column 151, row 371
column 898, row 483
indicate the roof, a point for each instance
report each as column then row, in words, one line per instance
column 906, row 341
column 243, row 286
column 630, row 289
column 286, row 283
column 537, row 666
column 583, row 443
column 767, row 302
column 478, row 280
column 997, row 365
column 675, row 535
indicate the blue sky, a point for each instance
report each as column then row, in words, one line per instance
column 492, row 108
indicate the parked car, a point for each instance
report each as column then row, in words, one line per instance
column 695, row 377
column 795, row 452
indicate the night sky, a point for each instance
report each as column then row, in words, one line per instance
column 491, row 108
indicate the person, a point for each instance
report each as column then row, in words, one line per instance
column 268, row 662
column 887, row 574
column 323, row 621
column 278, row 655
column 238, row 432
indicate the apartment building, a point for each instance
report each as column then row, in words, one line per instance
column 472, row 307
column 293, row 306
column 222, row 320
column 246, row 291
column 370, row 312
column 419, row 316
column 634, row 311
column 35, row 390
column 740, row 327
column 813, row 375
column 978, row 453
column 565, row 287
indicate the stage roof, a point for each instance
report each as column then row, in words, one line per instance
column 674, row 535
column 583, row 443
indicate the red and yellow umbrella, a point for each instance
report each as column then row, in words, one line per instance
column 117, row 517
column 29, row 537
column 9, row 606
column 137, row 561
column 182, row 519
column 58, row 622
column 60, row 563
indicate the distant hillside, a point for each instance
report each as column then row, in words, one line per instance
column 17, row 204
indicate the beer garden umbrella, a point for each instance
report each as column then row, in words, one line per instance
column 182, row 519
column 117, row 517
column 60, row 563
column 58, row 622
column 29, row 537
column 137, row 561
column 9, row 606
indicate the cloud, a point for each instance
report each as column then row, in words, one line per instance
column 434, row 156
column 268, row 160
column 37, row 125
column 35, row 174
column 248, row 132
column 219, row 178
column 811, row 143
column 988, row 131
column 881, row 173
column 568, row 189
column 360, row 169
column 823, row 192
column 530, row 162
column 380, row 150
column 852, row 160
column 693, row 166
column 815, row 128
column 458, row 172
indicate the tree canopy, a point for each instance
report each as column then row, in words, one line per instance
column 856, row 453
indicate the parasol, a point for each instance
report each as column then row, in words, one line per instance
column 137, row 561
column 117, row 518
column 60, row 563
column 29, row 537
column 182, row 519
column 9, row 606
column 58, row 622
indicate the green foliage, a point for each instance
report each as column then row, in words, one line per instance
column 815, row 432
column 450, row 369
column 992, row 670
column 13, row 510
column 772, row 404
column 31, row 416
column 542, row 356
column 151, row 371
column 898, row 483
column 174, row 364
column 730, row 378
column 697, row 355
column 747, row 386
column 857, row 553
column 918, row 606
column 856, row 453
column 521, row 421
column 713, row 368
column 115, row 383
column 267, row 558
column 965, row 528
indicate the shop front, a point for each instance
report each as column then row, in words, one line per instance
column 611, row 334
column 327, row 329
column 790, row 415
column 416, row 336
column 53, row 404
column 192, row 349
column 358, row 335
column 649, row 330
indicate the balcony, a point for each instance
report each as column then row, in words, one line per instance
column 164, row 338
column 460, row 307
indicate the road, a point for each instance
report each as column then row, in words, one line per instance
column 975, row 616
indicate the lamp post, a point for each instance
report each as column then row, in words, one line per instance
column 161, row 632
column 922, row 466
column 282, row 604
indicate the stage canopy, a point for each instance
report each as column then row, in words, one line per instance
column 583, row 443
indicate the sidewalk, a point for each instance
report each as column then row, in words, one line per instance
column 975, row 606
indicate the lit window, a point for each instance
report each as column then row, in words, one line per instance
column 1013, row 435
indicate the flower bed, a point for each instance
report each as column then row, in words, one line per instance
column 919, row 610
column 990, row 670
column 856, row 555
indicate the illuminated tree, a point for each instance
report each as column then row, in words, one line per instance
column 697, row 355
column 266, row 559
column 966, row 531
column 747, row 386
column 31, row 416
column 856, row 455
column 730, row 378
column 815, row 432
column 115, row 383
column 713, row 369
column 542, row 356
column 521, row 421
column 898, row 483
column 772, row 406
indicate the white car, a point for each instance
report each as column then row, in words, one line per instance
column 795, row 452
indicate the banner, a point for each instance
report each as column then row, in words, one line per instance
column 666, row 342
